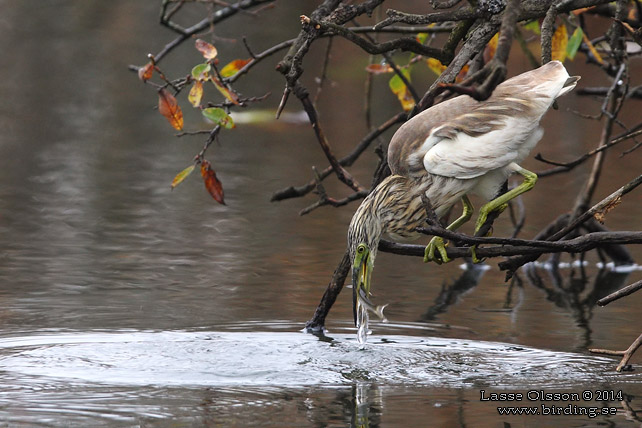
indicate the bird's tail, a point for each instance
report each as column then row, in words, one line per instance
column 568, row 85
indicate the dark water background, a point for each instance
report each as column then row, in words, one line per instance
column 125, row 304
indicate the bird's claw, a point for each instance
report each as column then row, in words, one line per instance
column 473, row 253
column 436, row 243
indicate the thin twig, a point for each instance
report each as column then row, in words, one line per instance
column 622, row 292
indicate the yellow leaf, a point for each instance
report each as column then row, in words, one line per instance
column 226, row 92
column 182, row 176
column 559, row 43
column 399, row 88
column 168, row 107
column 196, row 93
column 436, row 66
column 233, row 67
column 592, row 49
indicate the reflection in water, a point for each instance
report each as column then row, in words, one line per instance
column 450, row 293
column 570, row 293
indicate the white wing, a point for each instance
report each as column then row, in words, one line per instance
column 464, row 155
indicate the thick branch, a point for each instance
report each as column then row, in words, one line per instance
column 317, row 322
column 577, row 245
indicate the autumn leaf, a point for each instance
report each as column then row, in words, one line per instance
column 422, row 37
column 559, row 42
column 379, row 68
column 219, row 117
column 212, row 184
column 145, row 72
column 436, row 66
column 574, row 43
column 226, row 92
column 399, row 88
column 196, row 93
column 201, row 71
column 601, row 215
column 491, row 48
column 462, row 74
column 594, row 51
column 168, row 107
column 207, row 49
column 182, row 176
column 233, row 67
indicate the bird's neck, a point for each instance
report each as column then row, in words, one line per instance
column 374, row 214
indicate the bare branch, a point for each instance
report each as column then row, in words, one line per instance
column 629, row 289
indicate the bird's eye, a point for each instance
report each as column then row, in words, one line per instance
column 361, row 248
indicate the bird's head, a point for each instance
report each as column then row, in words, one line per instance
column 362, row 265
column 364, row 234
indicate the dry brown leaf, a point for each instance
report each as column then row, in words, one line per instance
column 212, row 183
column 168, row 107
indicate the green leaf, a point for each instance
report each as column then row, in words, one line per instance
column 201, row 71
column 398, row 87
column 396, row 84
column 182, row 176
column 219, row 117
column 574, row 42
column 533, row 26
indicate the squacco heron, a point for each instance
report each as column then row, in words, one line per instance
column 455, row 148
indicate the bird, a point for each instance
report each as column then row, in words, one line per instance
column 458, row 147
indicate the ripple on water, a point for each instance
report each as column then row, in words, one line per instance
column 233, row 358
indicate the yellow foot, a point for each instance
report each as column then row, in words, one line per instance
column 483, row 215
column 436, row 243
column 473, row 253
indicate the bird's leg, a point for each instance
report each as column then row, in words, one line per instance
column 437, row 242
column 500, row 202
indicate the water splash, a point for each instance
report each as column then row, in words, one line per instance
column 279, row 358
column 362, row 323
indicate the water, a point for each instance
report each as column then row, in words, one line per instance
column 127, row 304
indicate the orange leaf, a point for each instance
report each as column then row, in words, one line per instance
column 559, row 43
column 226, row 92
column 207, row 49
column 491, row 47
column 196, row 93
column 436, row 66
column 212, row 184
column 462, row 74
column 233, row 67
column 145, row 72
column 379, row 68
column 168, row 107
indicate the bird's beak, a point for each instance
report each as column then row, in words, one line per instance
column 361, row 272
